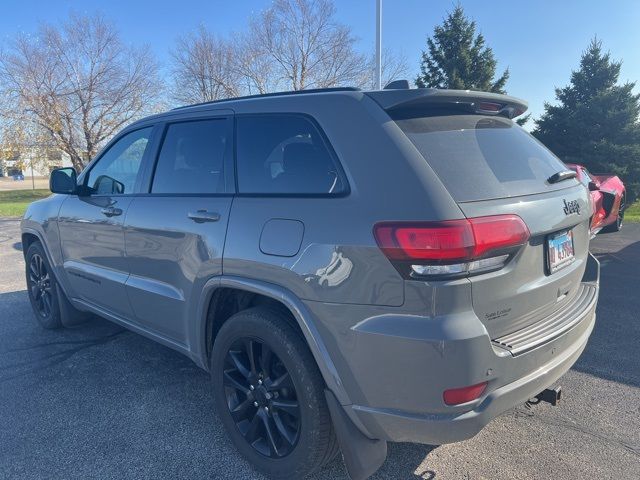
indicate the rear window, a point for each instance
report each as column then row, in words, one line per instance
column 480, row 158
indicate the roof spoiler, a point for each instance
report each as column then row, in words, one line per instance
column 480, row 102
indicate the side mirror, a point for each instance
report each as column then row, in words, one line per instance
column 106, row 185
column 593, row 186
column 63, row 180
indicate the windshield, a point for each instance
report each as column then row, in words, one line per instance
column 480, row 157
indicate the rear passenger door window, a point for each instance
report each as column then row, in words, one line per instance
column 284, row 154
column 192, row 158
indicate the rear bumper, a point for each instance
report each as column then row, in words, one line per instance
column 395, row 368
column 447, row 428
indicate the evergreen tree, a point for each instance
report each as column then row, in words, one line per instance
column 458, row 58
column 596, row 120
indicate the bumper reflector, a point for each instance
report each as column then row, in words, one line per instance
column 457, row 396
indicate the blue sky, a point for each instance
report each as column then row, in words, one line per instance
column 539, row 41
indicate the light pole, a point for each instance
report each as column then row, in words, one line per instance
column 378, row 44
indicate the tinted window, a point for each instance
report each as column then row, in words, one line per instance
column 191, row 158
column 117, row 170
column 284, row 154
column 479, row 157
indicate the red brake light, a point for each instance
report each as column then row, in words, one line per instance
column 489, row 107
column 450, row 241
column 457, row 396
column 497, row 232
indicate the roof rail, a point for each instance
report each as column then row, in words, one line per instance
column 274, row 94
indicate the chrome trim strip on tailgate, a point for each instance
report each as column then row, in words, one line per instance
column 553, row 326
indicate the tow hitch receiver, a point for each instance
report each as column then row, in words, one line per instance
column 550, row 395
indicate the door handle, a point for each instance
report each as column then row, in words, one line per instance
column 111, row 211
column 202, row 216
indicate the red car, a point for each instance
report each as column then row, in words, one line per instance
column 608, row 197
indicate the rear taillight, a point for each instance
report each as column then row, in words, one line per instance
column 451, row 247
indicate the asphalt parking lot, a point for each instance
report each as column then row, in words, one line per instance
column 98, row 401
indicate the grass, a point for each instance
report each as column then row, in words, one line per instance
column 632, row 213
column 13, row 203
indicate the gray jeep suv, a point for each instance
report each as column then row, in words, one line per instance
column 351, row 267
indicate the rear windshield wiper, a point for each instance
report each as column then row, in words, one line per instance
column 560, row 176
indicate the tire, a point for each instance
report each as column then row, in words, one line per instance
column 42, row 287
column 61, row 313
column 287, row 388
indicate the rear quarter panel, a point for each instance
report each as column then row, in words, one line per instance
column 338, row 260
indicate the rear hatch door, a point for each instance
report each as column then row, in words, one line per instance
column 492, row 166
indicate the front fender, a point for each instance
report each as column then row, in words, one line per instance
column 52, row 258
column 41, row 221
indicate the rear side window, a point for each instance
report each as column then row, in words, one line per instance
column 284, row 154
column 191, row 158
column 479, row 157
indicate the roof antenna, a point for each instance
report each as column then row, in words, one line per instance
column 398, row 85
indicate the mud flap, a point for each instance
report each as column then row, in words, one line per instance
column 362, row 455
column 69, row 315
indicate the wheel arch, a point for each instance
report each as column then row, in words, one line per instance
column 284, row 299
column 28, row 238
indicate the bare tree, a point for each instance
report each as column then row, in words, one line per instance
column 78, row 82
column 203, row 68
column 253, row 64
column 394, row 67
column 305, row 46
column 292, row 45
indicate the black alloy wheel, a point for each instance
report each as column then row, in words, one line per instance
column 40, row 286
column 261, row 397
column 270, row 395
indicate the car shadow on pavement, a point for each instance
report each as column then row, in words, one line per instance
column 611, row 351
column 26, row 347
column 145, row 408
column 121, row 403
column 403, row 462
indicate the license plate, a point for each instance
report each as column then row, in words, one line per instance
column 560, row 250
